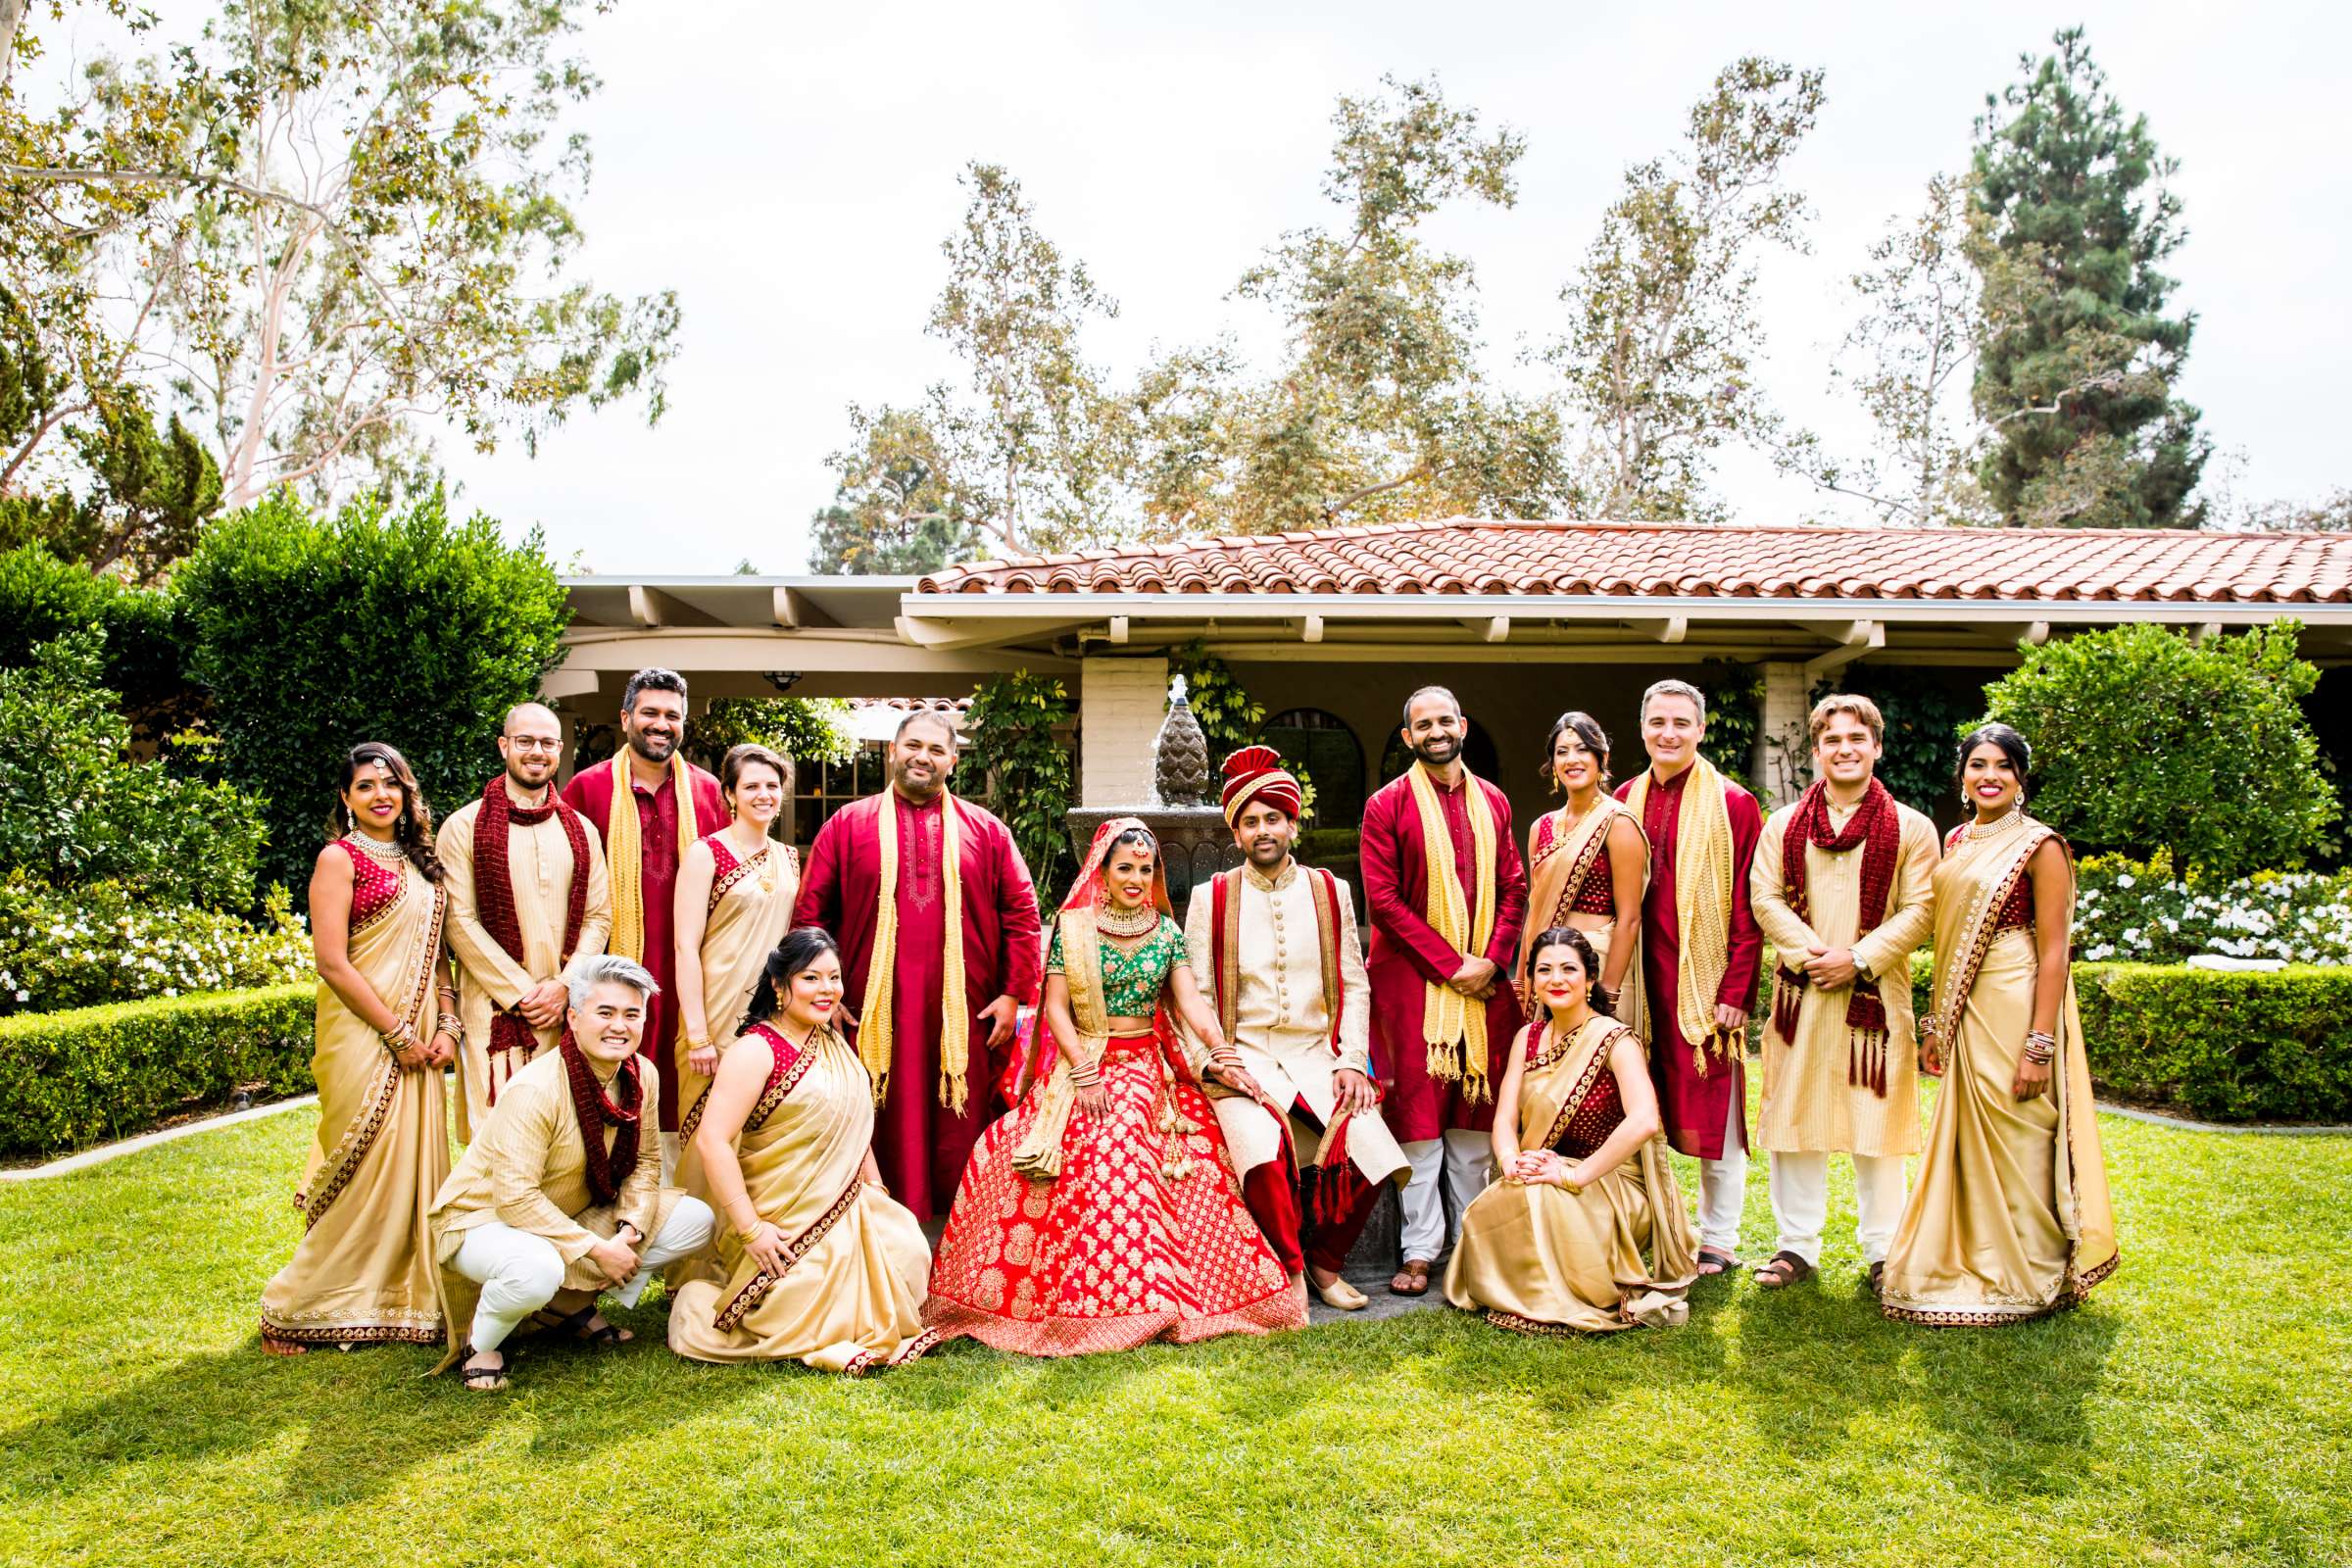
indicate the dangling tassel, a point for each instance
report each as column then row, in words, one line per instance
column 1175, row 1157
column 1787, row 1003
column 1866, row 1060
column 1443, row 1068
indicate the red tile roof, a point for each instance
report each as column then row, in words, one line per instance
column 1457, row 556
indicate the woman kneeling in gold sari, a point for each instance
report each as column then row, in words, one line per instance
column 2010, row 1217
column 1557, row 1245
column 819, row 1265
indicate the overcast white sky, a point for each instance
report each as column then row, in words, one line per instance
column 790, row 171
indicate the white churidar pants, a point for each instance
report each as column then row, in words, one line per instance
column 1800, row 1202
column 1723, row 1187
column 519, row 1272
column 1456, row 1167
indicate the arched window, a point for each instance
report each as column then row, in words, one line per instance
column 1333, row 757
column 1478, row 755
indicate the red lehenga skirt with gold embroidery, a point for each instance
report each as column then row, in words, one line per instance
column 1141, row 1237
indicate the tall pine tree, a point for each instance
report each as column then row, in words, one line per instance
column 2076, row 356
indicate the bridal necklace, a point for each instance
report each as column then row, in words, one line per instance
column 1139, row 921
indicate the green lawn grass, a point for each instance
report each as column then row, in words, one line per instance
column 2197, row 1412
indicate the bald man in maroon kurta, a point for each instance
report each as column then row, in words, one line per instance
column 1444, row 1132
column 920, row 1145
column 1705, row 1112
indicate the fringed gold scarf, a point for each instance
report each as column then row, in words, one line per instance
column 1454, row 1026
column 875, row 1035
column 624, row 853
column 1703, row 904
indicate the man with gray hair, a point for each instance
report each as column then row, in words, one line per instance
column 1700, row 949
column 559, row 1195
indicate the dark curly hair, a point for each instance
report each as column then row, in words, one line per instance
column 412, row 830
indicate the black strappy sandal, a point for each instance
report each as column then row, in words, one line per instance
column 1724, row 1264
column 600, row 1338
column 483, row 1379
column 1784, row 1270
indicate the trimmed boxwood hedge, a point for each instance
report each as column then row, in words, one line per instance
column 2225, row 1045
column 95, row 1073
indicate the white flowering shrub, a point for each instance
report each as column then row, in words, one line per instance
column 2145, row 911
column 96, row 944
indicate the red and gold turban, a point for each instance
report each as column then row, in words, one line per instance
column 1256, row 773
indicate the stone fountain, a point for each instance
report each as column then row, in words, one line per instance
column 1183, row 812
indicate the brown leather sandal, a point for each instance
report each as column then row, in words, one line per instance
column 1784, row 1270
column 1712, row 1262
column 1412, row 1280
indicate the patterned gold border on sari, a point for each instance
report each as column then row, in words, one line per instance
column 774, row 1095
column 756, row 1289
column 1585, row 1080
column 741, row 869
column 335, row 1172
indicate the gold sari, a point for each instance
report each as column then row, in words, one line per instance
column 1557, row 862
column 851, row 1298
column 1542, row 1259
column 364, row 1271
column 2010, row 1217
column 751, row 909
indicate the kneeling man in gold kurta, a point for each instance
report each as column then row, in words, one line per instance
column 1841, row 886
column 559, row 1195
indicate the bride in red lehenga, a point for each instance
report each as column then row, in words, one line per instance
column 1102, row 1212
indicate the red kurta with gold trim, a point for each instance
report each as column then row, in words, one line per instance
column 1407, row 954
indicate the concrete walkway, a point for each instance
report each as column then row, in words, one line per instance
column 104, row 1152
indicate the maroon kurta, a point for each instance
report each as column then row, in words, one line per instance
column 1406, row 955
column 590, row 793
column 919, row 1143
column 1695, row 1105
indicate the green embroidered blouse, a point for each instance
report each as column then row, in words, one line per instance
column 1132, row 975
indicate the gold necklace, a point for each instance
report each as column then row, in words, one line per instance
column 1140, row 921
column 2003, row 823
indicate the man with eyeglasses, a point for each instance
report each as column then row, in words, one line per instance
column 528, row 901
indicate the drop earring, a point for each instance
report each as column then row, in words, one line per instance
column 349, row 821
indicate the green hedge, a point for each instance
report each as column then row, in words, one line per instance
column 2224, row 1045
column 82, row 1077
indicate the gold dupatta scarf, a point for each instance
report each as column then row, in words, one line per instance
column 1552, row 1089
column 1039, row 1155
column 1972, row 886
column 1702, row 903
column 875, row 1029
column 624, row 850
column 1554, row 873
column 1452, row 1025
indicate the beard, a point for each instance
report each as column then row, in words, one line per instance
column 1266, row 854
column 922, row 789
column 524, row 781
column 654, row 748
column 1438, row 749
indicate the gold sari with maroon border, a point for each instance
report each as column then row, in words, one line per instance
column 364, row 1270
column 850, row 1296
column 2010, row 1217
column 1542, row 1259
column 1557, row 862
